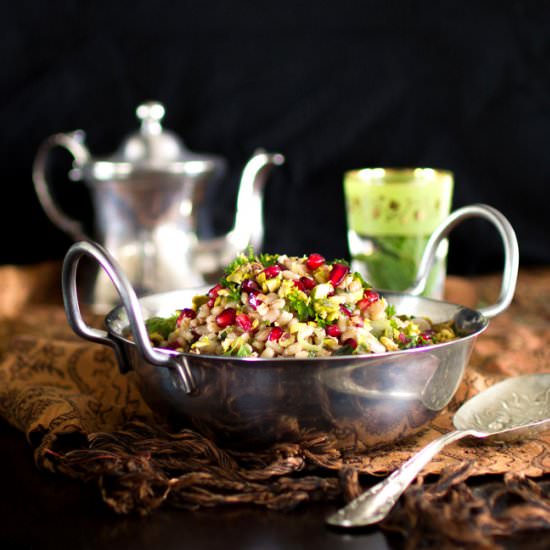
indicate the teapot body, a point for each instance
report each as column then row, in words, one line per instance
column 150, row 209
column 151, row 229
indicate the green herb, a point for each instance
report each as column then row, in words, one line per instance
column 241, row 259
column 244, row 351
column 323, row 323
column 234, row 291
column 238, row 348
column 267, row 260
column 364, row 283
column 303, row 309
column 161, row 325
column 412, row 342
column 344, row 350
column 390, row 310
column 339, row 261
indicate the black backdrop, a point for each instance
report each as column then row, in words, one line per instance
column 461, row 85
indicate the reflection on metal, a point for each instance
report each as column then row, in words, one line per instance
column 407, row 373
column 443, row 383
column 151, row 208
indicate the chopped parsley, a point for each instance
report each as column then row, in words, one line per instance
column 244, row 351
column 234, row 291
column 323, row 323
column 344, row 350
column 340, row 261
column 241, row 259
column 364, row 283
column 303, row 309
column 267, row 260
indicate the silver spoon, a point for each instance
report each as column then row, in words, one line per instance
column 514, row 408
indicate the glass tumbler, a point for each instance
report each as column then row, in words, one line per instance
column 391, row 214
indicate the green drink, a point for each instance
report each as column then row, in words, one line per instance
column 391, row 214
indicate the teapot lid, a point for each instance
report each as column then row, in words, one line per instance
column 153, row 149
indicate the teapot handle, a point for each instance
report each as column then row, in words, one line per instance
column 511, row 253
column 73, row 143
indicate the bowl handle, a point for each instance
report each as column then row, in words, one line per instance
column 130, row 303
column 511, row 253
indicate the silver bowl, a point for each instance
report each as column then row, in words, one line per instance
column 353, row 402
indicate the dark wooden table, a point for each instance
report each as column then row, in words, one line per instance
column 39, row 510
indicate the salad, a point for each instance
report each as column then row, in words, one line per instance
column 274, row 305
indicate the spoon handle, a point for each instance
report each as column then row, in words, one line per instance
column 375, row 504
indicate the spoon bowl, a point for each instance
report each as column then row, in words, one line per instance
column 515, row 408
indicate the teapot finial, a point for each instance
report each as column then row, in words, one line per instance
column 153, row 146
column 150, row 113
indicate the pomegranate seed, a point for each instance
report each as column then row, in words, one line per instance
column 369, row 298
column 213, row 292
column 226, row 317
column 350, row 343
column 426, row 336
column 275, row 334
column 272, row 271
column 314, row 261
column 243, row 320
column 250, row 285
column 403, row 339
column 186, row 313
column 338, row 274
column 308, row 282
column 333, row 330
column 345, row 310
column 299, row 285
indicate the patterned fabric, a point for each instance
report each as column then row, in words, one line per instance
column 86, row 420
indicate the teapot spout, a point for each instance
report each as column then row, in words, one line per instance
column 249, row 224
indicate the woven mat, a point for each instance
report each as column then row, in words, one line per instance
column 85, row 420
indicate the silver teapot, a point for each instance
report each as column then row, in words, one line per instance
column 148, row 198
